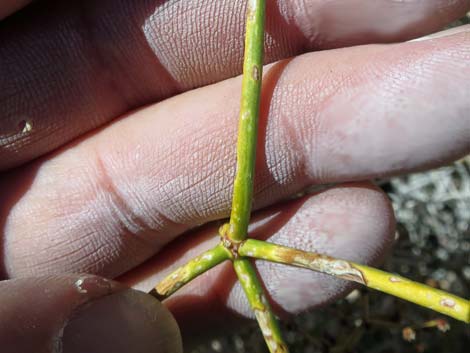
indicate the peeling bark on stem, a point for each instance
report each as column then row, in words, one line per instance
column 259, row 304
column 395, row 285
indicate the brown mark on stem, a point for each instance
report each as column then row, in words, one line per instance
column 174, row 280
column 322, row 263
column 170, row 284
column 340, row 268
column 263, row 317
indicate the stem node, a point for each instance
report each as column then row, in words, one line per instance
column 228, row 243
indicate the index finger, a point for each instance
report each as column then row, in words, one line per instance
column 114, row 199
column 68, row 67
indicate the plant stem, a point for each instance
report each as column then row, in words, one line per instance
column 260, row 305
column 248, row 123
column 237, row 229
column 192, row 269
column 236, row 247
column 395, row 285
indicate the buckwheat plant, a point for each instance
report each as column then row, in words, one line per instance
column 237, row 247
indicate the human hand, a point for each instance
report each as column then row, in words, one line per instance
column 106, row 201
column 82, row 313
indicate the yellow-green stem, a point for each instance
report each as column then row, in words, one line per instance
column 395, row 285
column 192, row 269
column 259, row 304
column 234, row 245
column 237, row 229
column 248, row 123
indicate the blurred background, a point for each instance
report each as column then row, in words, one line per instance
column 433, row 247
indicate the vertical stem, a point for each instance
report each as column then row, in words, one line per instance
column 243, row 184
column 260, row 305
column 248, row 123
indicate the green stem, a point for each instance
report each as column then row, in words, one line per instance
column 260, row 305
column 395, row 285
column 236, row 231
column 248, row 123
column 236, row 247
column 192, row 269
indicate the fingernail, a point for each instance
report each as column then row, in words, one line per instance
column 127, row 321
column 442, row 34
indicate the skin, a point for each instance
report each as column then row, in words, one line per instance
column 10, row 6
column 132, row 128
column 82, row 313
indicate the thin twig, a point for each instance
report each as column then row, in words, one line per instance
column 192, row 269
column 260, row 305
column 237, row 229
column 395, row 285
column 248, row 122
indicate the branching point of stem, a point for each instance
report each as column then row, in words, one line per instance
column 228, row 243
column 236, row 247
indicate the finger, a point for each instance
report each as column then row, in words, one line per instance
column 82, row 314
column 7, row 7
column 111, row 201
column 353, row 222
column 69, row 67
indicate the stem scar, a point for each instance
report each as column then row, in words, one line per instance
column 325, row 264
column 262, row 315
column 255, row 73
column 447, row 302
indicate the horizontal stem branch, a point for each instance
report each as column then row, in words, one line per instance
column 192, row 269
column 395, row 285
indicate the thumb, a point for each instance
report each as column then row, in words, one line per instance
column 82, row 313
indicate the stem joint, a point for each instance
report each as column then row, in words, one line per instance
column 231, row 245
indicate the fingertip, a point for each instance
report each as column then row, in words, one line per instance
column 82, row 313
column 127, row 321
